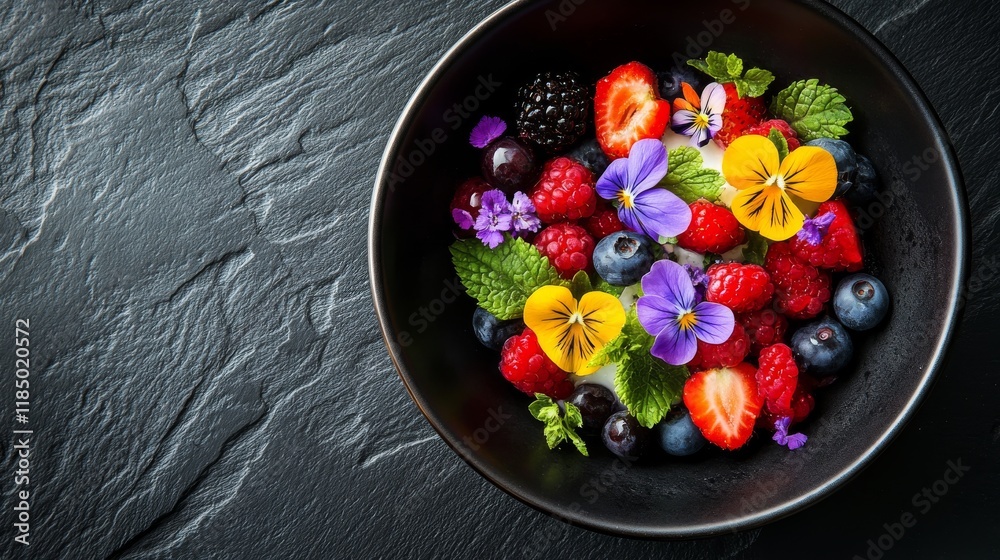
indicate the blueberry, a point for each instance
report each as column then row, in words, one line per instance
column 822, row 348
column 493, row 332
column 846, row 158
column 596, row 403
column 592, row 156
column 623, row 258
column 671, row 80
column 865, row 183
column 624, row 436
column 861, row 302
column 510, row 165
column 679, row 436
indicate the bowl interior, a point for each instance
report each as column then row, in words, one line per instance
column 915, row 235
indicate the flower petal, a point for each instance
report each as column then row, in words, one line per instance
column 750, row 161
column 713, row 99
column 810, row 173
column 661, row 213
column 647, row 164
column 671, row 282
column 715, row 322
column 681, row 104
column 571, row 334
column 603, row 319
column 655, row 313
column 674, row 345
column 613, row 180
column 714, row 124
column 683, row 122
column 690, row 94
column 768, row 210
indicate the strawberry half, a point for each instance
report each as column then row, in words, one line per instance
column 724, row 404
column 628, row 108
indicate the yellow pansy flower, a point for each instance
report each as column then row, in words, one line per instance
column 571, row 332
column 773, row 194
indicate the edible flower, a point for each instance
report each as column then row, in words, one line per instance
column 669, row 311
column 643, row 207
column 700, row 121
column 523, row 218
column 700, row 281
column 494, row 218
column 463, row 219
column 487, row 130
column 793, row 441
column 771, row 191
column 571, row 332
column 814, row 229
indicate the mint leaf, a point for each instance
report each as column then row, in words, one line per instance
column 756, row 248
column 603, row 286
column 779, row 142
column 648, row 386
column 558, row 427
column 729, row 70
column 689, row 179
column 502, row 279
column 580, row 284
column 813, row 110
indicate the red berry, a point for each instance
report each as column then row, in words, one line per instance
column 523, row 363
column 764, row 327
column 728, row 354
column 628, row 108
column 764, row 129
column 603, row 223
column 713, row 229
column 840, row 249
column 740, row 287
column 739, row 115
column 724, row 404
column 801, row 291
column 564, row 192
column 802, row 405
column 568, row 247
column 777, row 378
column 468, row 197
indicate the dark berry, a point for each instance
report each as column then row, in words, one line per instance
column 624, row 436
column 623, row 258
column 865, row 183
column 553, row 111
column 670, row 81
column 846, row 159
column 861, row 302
column 493, row 332
column 678, row 435
column 596, row 403
column 591, row 155
column 822, row 348
column 508, row 164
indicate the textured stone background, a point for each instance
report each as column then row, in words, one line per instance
column 183, row 210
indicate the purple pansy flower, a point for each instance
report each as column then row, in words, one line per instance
column 523, row 218
column 699, row 118
column 488, row 130
column 494, row 218
column 462, row 218
column 814, row 229
column 699, row 279
column 643, row 207
column 793, row 441
column 668, row 310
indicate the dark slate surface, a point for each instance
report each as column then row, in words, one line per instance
column 183, row 205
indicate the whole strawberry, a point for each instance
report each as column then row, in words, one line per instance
column 713, row 229
column 568, row 247
column 777, row 378
column 739, row 115
column 564, row 192
column 764, row 327
column 801, row 290
column 523, row 363
column 840, row 247
column 728, row 354
column 740, row 287
column 764, row 129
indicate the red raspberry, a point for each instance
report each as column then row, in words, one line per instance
column 764, row 129
column 764, row 327
column 802, row 405
column 740, row 287
column 603, row 223
column 801, row 291
column 840, row 249
column 777, row 378
column 713, row 229
column 728, row 354
column 468, row 197
column 568, row 246
column 523, row 363
column 565, row 192
column 739, row 115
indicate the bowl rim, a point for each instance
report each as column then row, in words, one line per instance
column 756, row 519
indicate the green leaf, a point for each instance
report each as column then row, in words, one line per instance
column 729, row 70
column 779, row 142
column 711, row 258
column 603, row 286
column 647, row 386
column 502, row 279
column 813, row 110
column 580, row 284
column 558, row 427
column 689, row 179
column 756, row 248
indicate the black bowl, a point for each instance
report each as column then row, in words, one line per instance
column 916, row 235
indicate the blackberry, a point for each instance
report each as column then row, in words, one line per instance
column 553, row 111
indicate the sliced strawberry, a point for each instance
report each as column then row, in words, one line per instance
column 724, row 404
column 628, row 108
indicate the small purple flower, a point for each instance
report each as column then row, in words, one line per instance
column 814, row 229
column 668, row 310
column 793, row 441
column 462, row 218
column 523, row 215
column 643, row 207
column 699, row 279
column 494, row 218
column 699, row 117
column 488, row 130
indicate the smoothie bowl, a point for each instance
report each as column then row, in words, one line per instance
column 667, row 272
